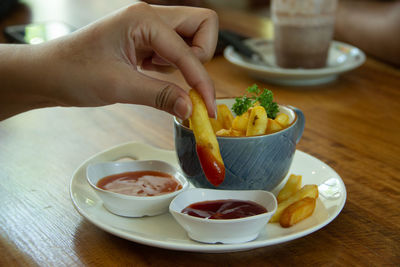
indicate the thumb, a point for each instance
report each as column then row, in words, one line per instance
column 159, row 94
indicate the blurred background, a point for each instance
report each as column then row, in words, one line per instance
column 75, row 12
column 371, row 25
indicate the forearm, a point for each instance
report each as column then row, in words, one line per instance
column 97, row 65
column 24, row 76
column 373, row 26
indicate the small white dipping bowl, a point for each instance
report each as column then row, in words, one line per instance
column 133, row 206
column 222, row 231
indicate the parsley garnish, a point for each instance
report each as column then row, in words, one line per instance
column 265, row 98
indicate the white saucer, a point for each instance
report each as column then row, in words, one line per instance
column 342, row 57
column 164, row 232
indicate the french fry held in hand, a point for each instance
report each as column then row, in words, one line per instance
column 292, row 185
column 305, row 191
column 258, row 121
column 207, row 146
column 297, row 212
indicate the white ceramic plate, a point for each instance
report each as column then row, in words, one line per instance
column 164, row 232
column 342, row 57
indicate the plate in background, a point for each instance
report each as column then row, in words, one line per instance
column 342, row 58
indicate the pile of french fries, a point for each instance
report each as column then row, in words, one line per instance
column 295, row 203
column 253, row 122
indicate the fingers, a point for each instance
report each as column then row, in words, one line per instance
column 199, row 25
column 204, row 32
column 179, row 54
column 159, row 65
column 166, row 96
column 143, row 35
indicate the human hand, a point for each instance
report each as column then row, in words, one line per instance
column 98, row 65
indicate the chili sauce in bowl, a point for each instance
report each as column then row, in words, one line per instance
column 223, row 216
column 136, row 188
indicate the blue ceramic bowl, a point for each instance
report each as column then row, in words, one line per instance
column 251, row 163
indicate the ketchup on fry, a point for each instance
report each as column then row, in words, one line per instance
column 213, row 169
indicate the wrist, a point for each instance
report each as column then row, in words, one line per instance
column 23, row 84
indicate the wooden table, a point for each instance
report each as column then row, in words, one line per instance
column 352, row 124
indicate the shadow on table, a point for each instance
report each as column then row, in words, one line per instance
column 11, row 254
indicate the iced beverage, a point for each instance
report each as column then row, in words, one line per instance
column 303, row 32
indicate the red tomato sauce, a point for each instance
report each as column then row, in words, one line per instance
column 224, row 209
column 140, row 183
column 213, row 170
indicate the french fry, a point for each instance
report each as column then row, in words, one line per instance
column 292, row 185
column 258, row 121
column 237, row 133
column 305, row 191
column 297, row 212
column 273, row 126
column 239, row 123
column 224, row 115
column 230, row 132
column 282, row 119
column 207, row 146
column 223, row 132
column 216, row 125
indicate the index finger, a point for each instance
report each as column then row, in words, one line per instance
column 200, row 25
column 178, row 53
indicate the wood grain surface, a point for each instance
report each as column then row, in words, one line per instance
column 352, row 124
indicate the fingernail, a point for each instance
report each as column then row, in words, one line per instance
column 182, row 109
